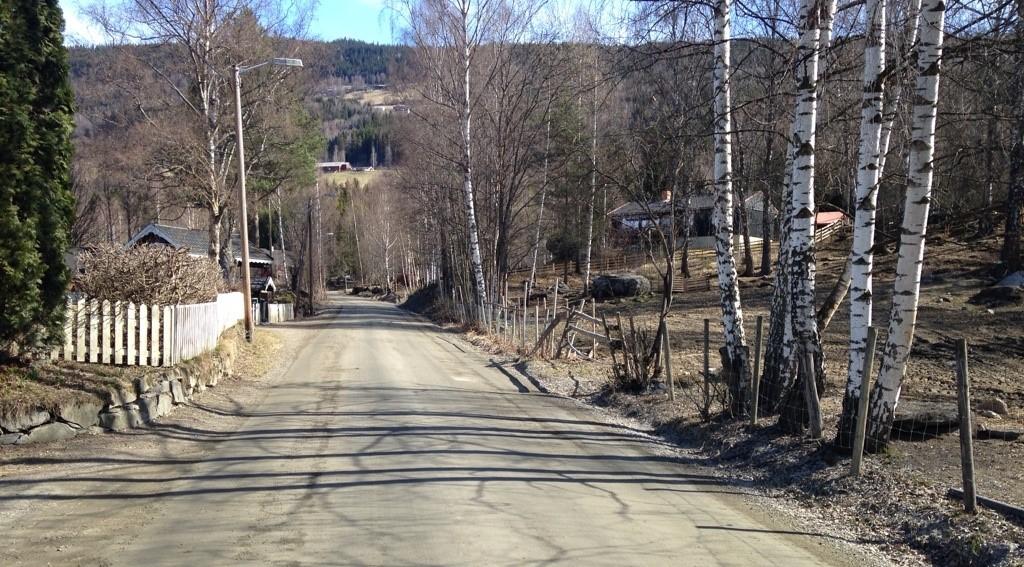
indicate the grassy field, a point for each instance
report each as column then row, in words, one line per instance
column 371, row 97
column 363, row 177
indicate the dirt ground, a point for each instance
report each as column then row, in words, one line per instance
column 907, row 486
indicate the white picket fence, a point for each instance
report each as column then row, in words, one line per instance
column 122, row 333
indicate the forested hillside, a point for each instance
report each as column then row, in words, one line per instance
column 117, row 171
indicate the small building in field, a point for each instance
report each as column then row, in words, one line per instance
column 263, row 266
column 634, row 218
column 333, row 166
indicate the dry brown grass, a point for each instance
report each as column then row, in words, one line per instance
column 50, row 385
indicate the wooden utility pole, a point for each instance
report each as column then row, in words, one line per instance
column 309, row 268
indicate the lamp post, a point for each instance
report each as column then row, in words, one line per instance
column 246, row 277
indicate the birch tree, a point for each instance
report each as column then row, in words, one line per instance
column 734, row 354
column 861, row 256
column 588, row 244
column 815, row 24
column 907, row 286
column 466, row 41
column 535, row 246
column 192, row 111
column 448, row 35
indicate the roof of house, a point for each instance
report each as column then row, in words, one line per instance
column 702, row 201
column 829, row 217
column 197, row 242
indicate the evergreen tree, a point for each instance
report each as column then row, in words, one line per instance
column 36, row 203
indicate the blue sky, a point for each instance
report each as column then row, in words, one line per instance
column 358, row 19
column 367, row 20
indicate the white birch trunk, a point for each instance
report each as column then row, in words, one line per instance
column 475, row 259
column 589, row 245
column 540, row 214
column 801, row 237
column 890, row 115
column 734, row 357
column 906, row 289
column 815, row 21
column 861, row 256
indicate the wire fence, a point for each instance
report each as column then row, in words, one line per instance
column 685, row 365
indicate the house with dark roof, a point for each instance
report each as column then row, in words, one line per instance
column 263, row 266
column 635, row 217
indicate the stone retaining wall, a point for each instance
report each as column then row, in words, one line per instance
column 152, row 394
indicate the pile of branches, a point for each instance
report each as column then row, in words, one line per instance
column 150, row 274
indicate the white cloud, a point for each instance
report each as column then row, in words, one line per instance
column 78, row 30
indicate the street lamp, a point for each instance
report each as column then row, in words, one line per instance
column 246, row 277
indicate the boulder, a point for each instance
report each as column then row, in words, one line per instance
column 11, row 438
column 115, row 419
column 1016, row 279
column 154, row 406
column 120, row 395
column 20, row 419
column 994, row 405
column 624, row 285
column 142, row 384
column 48, row 432
column 540, row 295
column 134, row 415
column 81, row 414
column 999, row 296
column 563, row 288
column 177, row 392
column 918, row 420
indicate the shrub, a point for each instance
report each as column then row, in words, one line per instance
column 151, row 274
column 36, row 204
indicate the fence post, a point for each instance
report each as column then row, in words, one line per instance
column 118, row 332
column 707, row 368
column 168, row 338
column 94, row 331
column 966, row 430
column 806, row 363
column 667, row 354
column 755, row 377
column 130, row 332
column 556, row 295
column 106, row 352
column 143, row 335
column 861, row 427
column 69, row 327
column 154, row 341
column 81, row 328
column 536, row 323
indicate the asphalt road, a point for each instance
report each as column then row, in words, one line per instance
column 385, row 441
